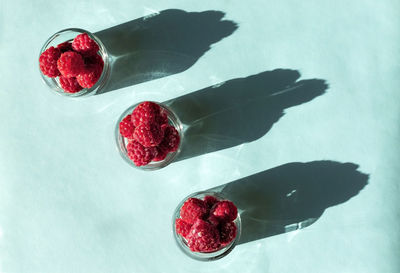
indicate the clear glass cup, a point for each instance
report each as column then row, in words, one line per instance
column 68, row 35
column 122, row 142
column 209, row 256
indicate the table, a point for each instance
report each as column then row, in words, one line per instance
column 291, row 108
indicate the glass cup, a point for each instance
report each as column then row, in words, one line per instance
column 68, row 35
column 209, row 256
column 122, row 142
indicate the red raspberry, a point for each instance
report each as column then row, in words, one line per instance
column 64, row 47
column 48, row 62
column 139, row 154
column 146, row 112
column 90, row 75
column 70, row 64
column 126, row 127
column 227, row 232
column 203, row 237
column 85, row 45
column 193, row 209
column 70, row 85
column 163, row 118
column 161, row 154
column 210, row 201
column 225, row 211
column 148, row 135
column 182, row 227
column 171, row 138
column 213, row 220
column 95, row 59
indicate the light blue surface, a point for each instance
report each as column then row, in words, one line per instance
column 69, row 203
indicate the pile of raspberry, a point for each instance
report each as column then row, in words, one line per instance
column 148, row 133
column 77, row 64
column 207, row 225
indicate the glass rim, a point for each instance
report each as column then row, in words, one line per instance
column 153, row 165
column 103, row 79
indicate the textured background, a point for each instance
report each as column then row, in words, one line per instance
column 313, row 81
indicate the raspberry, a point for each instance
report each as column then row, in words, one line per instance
column 171, row 138
column 182, row 227
column 193, row 209
column 64, row 47
column 210, row 201
column 213, row 220
column 146, row 112
column 161, row 154
column 126, row 127
column 89, row 76
column 139, row 154
column 227, row 232
column 148, row 135
column 163, row 117
column 85, row 45
column 203, row 237
column 95, row 59
column 48, row 62
column 70, row 85
column 225, row 211
column 70, row 64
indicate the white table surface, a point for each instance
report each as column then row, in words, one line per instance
column 69, row 203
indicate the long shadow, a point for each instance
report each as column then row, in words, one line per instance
column 239, row 110
column 291, row 196
column 159, row 45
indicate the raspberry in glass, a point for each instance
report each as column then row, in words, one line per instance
column 193, row 209
column 48, row 62
column 203, row 237
column 64, row 47
column 225, row 211
column 210, row 201
column 126, row 127
column 139, row 154
column 147, row 112
column 90, row 75
column 227, row 232
column 70, row 64
column 94, row 59
column 70, row 85
column 85, row 45
column 161, row 154
column 149, row 135
column 182, row 227
column 171, row 139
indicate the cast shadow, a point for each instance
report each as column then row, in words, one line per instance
column 239, row 110
column 160, row 45
column 291, row 196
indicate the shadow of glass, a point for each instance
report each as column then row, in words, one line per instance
column 291, row 196
column 162, row 44
column 239, row 110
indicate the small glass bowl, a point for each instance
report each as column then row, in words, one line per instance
column 209, row 256
column 69, row 35
column 153, row 165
